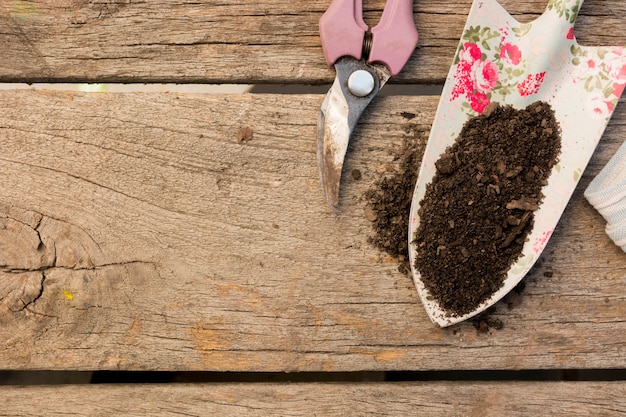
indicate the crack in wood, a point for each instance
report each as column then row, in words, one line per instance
column 24, row 272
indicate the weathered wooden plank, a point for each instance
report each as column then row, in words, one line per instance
column 266, row 41
column 430, row 399
column 139, row 233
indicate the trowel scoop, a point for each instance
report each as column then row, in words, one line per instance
column 502, row 60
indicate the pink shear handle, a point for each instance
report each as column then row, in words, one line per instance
column 342, row 30
column 395, row 36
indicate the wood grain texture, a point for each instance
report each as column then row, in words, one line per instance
column 137, row 232
column 217, row 41
column 432, row 399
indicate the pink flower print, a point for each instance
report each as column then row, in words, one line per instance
column 470, row 53
column 591, row 64
column 531, row 84
column 619, row 72
column 478, row 101
column 615, row 64
column 610, row 106
column 504, row 32
column 541, row 241
column 484, row 75
column 511, row 54
column 602, row 107
column 570, row 34
column 463, row 81
column 474, row 77
column 618, row 89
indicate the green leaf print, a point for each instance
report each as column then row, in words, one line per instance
column 472, row 34
column 598, row 85
column 573, row 14
column 576, row 50
column 480, row 35
column 522, row 30
column 561, row 8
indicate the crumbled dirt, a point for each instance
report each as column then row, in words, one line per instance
column 479, row 209
column 389, row 199
column 484, row 323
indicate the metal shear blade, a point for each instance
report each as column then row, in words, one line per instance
column 339, row 115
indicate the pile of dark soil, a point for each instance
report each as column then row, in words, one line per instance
column 389, row 200
column 479, row 209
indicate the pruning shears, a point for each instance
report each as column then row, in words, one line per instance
column 364, row 61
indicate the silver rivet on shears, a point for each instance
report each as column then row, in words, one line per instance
column 361, row 83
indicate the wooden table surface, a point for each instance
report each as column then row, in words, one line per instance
column 138, row 233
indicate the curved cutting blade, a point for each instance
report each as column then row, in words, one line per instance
column 339, row 115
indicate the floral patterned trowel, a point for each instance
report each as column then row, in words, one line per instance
column 502, row 60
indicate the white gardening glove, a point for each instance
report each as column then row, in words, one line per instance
column 607, row 193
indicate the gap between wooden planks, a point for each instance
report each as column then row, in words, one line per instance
column 139, row 233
